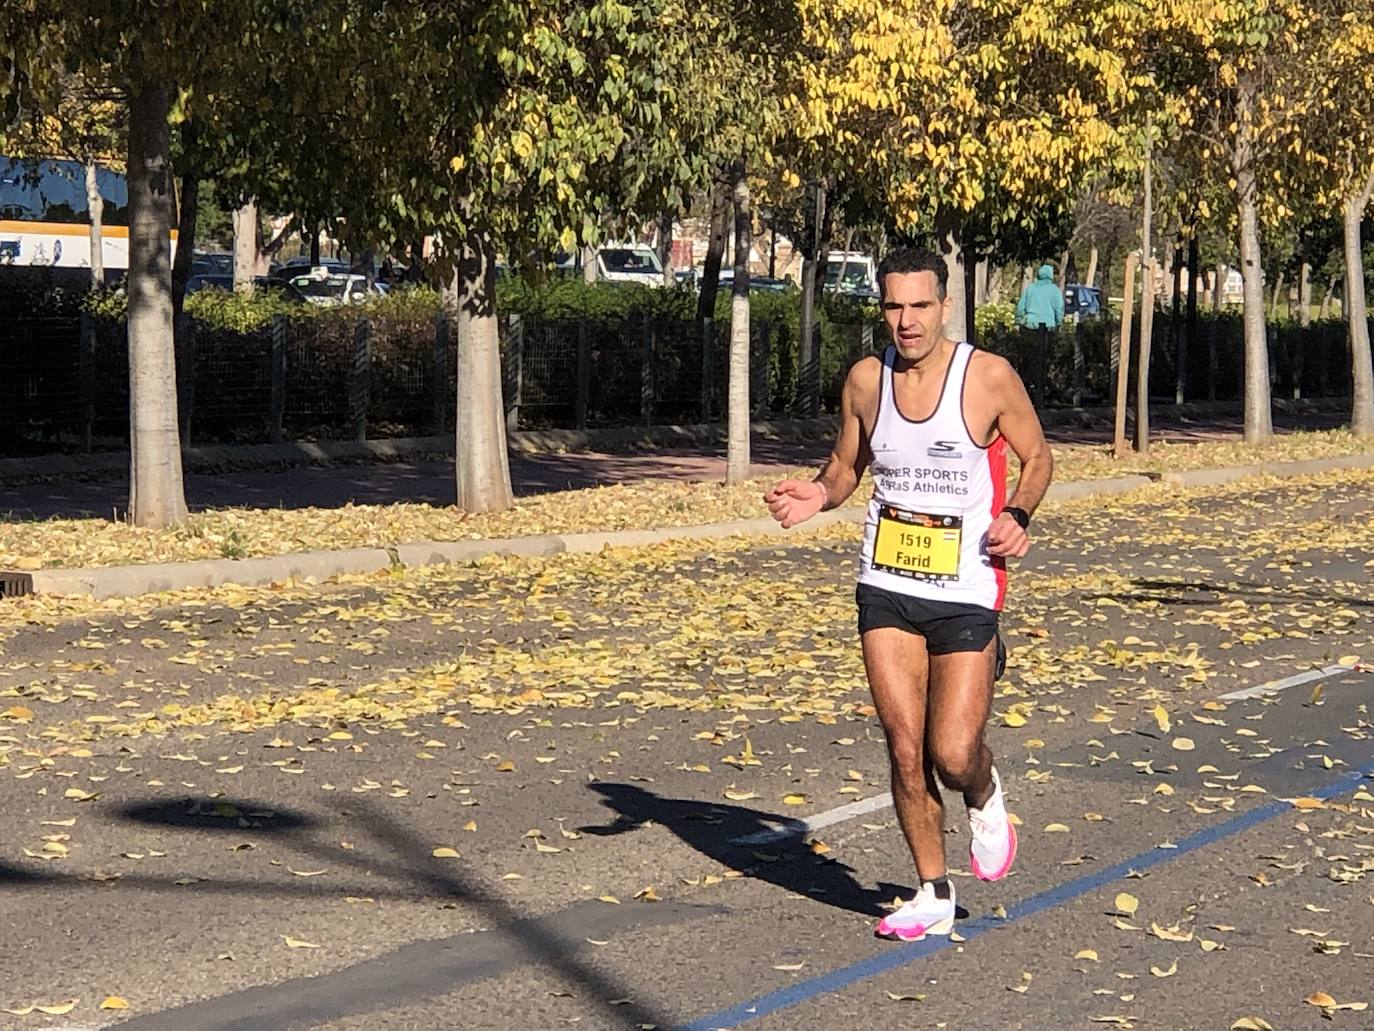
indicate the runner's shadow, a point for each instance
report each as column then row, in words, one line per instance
column 721, row 832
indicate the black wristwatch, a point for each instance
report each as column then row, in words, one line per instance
column 1021, row 516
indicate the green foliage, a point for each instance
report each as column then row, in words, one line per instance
column 598, row 302
column 991, row 319
column 243, row 313
column 105, row 303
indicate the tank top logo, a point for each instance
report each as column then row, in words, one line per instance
column 945, row 449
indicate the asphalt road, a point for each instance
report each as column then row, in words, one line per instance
column 224, row 807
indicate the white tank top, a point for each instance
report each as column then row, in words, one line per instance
column 935, row 493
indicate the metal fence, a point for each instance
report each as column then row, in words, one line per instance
column 66, row 379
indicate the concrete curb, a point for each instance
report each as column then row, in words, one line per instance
column 131, row 581
column 1303, row 467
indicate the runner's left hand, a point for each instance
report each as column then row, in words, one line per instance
column 1006, row 539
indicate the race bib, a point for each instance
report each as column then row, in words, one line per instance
column 925, row 547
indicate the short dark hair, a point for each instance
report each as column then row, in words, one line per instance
column 914, row 259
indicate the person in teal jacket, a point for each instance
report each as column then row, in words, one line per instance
column 1042, row 302
column 1039, row 312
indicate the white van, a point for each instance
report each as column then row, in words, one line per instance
column 629, row 263
column 851, row 272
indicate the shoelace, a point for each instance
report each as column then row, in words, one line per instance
column 981, row 825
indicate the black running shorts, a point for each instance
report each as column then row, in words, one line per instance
column 947, row 626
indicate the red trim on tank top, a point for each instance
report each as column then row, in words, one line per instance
column 997, row 470
column 963, row 416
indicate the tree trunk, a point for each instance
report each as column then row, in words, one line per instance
column 245, row 246
column 951, row 249
column 1274, row 299
column 715, row 251
column 1142, row 372
column 590, row 271
column 1219, row 290
column 1064, row 269
column 183, row 332
column 995, row 285
column 1259, row 425
column 264, row 252
column 815, row 258
column 980, row 283
column 1305, row 295
column 1148, row 286
column 1189, row 338
column 95, row 205
column 665, row 248
column 1357, row 317
column 737, row 451
column 483, row 467
column 157, row 497
column 1324, row 312
column 186, row 227
column 314, row 244
column 1123, row 363
column 1092, row 268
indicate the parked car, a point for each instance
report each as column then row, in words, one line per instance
column 288, row 291
column 327, row 289
column 852, row 273
column 209, row 281
column 211, row 264
column 216, row 281
column 1083, row 301
column 777, row 286
column 629, row 263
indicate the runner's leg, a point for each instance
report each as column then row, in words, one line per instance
column 959, row 699
column 896, row 662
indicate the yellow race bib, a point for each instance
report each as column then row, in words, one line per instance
column 914, row 544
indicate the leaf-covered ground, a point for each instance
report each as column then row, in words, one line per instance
column 243, row 533
column 260, row 786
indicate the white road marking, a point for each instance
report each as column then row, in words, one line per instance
column 798, row 828
column 1275, row 686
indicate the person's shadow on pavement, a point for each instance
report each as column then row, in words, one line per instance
column 721, row 832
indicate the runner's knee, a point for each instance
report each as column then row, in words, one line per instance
column 956, row 762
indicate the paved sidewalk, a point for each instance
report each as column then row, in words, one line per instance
column 431, row 480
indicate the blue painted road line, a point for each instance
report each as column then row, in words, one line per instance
column 900, row 956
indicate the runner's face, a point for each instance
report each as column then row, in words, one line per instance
column 914, row 313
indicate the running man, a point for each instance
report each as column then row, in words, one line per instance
column 933, row 418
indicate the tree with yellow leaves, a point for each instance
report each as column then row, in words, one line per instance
column 1336, row 70
column 1230, row 64
column 943, row 107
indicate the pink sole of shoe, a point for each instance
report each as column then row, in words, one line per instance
column 997, row 875
column 897, row 935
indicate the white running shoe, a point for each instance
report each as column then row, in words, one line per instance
column 993, row 847
column 923, row 915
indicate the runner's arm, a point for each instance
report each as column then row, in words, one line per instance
column 845, row 468
column 1017, row 421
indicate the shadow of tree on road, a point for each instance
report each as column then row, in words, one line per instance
column 365, row 987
